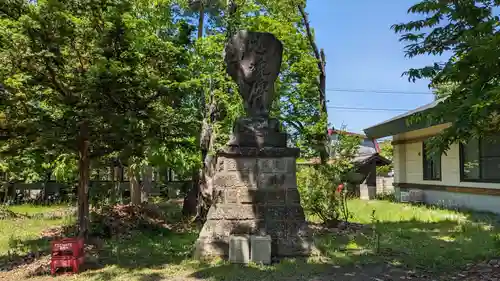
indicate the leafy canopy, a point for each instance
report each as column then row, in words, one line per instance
column 113, row 70
column 469, row 31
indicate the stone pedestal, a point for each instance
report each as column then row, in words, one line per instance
column 254, row 183
column 256, row 194
column 239, row 249
column 260, row 249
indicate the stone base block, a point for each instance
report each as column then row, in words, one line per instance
column 256, row 195
column 239, row 249
column 260, row 249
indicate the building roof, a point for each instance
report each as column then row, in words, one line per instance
column 400, row 124
column 367, row 158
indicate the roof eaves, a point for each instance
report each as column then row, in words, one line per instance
column 399, row 123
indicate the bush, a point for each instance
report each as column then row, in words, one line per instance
column 323, row 188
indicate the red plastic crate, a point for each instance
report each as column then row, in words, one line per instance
column 66, row 262
column 72, row 247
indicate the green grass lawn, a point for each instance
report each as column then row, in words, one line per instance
column 415, row 236
column 406, row 235
column 14, row 233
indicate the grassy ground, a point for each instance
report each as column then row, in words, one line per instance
column 33, row 219
column 410, row 236
column 415, row 236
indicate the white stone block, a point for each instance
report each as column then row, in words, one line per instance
column 260, row 251
column 239, row 249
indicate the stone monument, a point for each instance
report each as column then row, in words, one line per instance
column 255, row 188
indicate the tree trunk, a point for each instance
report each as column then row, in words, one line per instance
column 190, row 204
column 147, row 184
column 135, row 188
column 194, row 201
column 116, row 191
column 201, row 21
column 321, row 60
column 83, row 182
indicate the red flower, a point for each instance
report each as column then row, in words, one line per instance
column 340, row 187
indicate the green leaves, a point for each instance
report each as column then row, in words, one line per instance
column 469, row 31
column 119, row 66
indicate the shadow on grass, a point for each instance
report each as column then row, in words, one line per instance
column 444, row 245
column 147, row 247
column 433, row 246
column 151, row 277
column 389, row 250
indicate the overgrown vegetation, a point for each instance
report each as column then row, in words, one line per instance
column 386, row 150
column 324, row 188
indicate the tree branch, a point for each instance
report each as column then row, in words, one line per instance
column 317, row 54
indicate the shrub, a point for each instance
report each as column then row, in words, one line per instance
column 323, row 188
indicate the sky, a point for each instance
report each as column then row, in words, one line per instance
column 362, row 52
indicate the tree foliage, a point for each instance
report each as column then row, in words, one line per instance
column 469, row 31
column 323, row 188
column 387, row 151
column 93, row 78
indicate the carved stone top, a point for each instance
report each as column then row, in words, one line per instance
column 253, row 60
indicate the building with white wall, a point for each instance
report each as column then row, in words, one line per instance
column 465, row 176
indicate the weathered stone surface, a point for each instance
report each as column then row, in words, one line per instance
column 295, row 211
column 273, row 165
column 263, row 152
column 276, row 181
column 239, row 249
column 297, row 228
column 240, row 164
column 239, row 196
column 257, row 132
column 274, row 213
column 207, row 247
column 292, row 196
column 260, row 249
column 276, row 228
column 277, row 196
column 253, row 60
column 244, row 179
column 233, row 212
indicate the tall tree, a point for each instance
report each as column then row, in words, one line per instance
column 87, row 78
column 202, row 7
column 208, row 63
column 469, row 31
column 321, row 138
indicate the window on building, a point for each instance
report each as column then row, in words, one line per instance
column 432, row 164
column 480, row 160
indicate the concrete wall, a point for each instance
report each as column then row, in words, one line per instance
column 460, row 200
column 408, row 168
column 385, row 185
